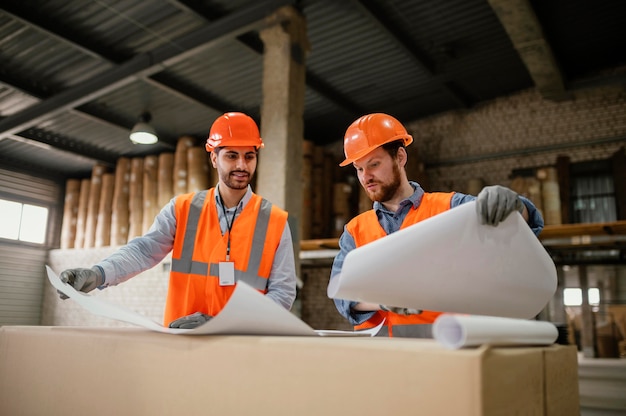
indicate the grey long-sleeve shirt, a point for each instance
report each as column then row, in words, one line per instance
column 143, row 253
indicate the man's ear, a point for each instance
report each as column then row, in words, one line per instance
column 213, row 156
column 402, row 157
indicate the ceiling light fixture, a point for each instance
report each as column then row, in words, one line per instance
column 142, row 132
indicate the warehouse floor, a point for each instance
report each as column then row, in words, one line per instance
column 602, row 384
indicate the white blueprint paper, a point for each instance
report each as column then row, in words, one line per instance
column 458, row 331
column 452, row 263
column 247, row 312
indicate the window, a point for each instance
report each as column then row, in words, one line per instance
column 574, row 296
column 23, row 222
column 592, row 193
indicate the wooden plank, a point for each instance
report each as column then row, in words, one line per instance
column 319, row 244
column 573, row 230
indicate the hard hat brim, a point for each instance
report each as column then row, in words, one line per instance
column 407, row 139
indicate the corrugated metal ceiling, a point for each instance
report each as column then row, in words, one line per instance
column 76, row 75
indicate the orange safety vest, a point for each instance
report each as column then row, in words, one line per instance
column 365, row 228
column 199, row 246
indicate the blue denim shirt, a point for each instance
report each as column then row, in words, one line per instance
column 391, row 222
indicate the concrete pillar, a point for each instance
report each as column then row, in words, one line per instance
column 279, row 171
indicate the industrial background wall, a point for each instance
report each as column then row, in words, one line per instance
column 21, row 265
column 520, row 131
column 489, row 142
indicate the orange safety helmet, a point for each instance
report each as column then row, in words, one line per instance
column 233, row 129
column 369, row 132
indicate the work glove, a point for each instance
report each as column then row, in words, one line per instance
column 400, row 311
column 190, row 321
column 84, row 280
column 495, row 203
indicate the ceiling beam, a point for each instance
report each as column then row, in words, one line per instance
column 143, row 65
column 322, row 88
column 30, row 16
column 176, row 86
column 526, row 34
column 255, row 44
column 69, row 145
column 40, row 92
column 378, row 16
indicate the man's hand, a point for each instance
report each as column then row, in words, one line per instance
column 495, row 203
column 400, row 311
column 84, row 280
column 190, row 321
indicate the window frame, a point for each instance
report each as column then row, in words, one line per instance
column 36, row 203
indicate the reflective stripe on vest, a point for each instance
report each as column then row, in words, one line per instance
column 365, row 228
column 188, row 266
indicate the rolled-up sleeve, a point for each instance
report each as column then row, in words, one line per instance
column 142, row 253
column 281, row 286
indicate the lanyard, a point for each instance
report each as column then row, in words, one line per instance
column 230, row 227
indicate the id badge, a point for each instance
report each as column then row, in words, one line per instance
column 227, row 273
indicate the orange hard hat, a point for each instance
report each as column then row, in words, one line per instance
column 233, row 129
column 369, row 132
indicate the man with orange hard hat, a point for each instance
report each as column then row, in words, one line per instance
column 375, row 144
column 218, row 237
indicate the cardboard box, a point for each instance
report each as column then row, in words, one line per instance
column 128, row 371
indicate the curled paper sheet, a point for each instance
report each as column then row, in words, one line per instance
column 458, row 331
column 452, row 263
column 247, row 312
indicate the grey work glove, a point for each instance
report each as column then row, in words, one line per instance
column 190, row 321
column 495, row 203
column 84, row 280
column 400, row 311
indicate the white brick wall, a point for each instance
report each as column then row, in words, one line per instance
column 144, row 293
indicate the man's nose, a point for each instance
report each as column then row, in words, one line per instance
column 241, row 162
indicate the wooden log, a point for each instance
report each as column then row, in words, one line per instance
column 534, row 192
column 166, row 181
column 307, row 190
column 342, row 192
column 475, row 185
column 119, row 212
column 331, row 173
column 180, row 164
column 317, row 188
column 135, row 195
column 81, row 216
column 103, row 226
column 365, row 203
column 70, row 213
column 93, row 205
column 198, row 172
column 150, row 191
column 551, row 198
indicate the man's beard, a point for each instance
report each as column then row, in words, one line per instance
column 388, row 190
column 235, row 184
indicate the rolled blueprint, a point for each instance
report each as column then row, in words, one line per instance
column 458, row 331
column 452, row 263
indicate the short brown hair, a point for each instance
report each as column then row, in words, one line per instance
column 392, row 147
